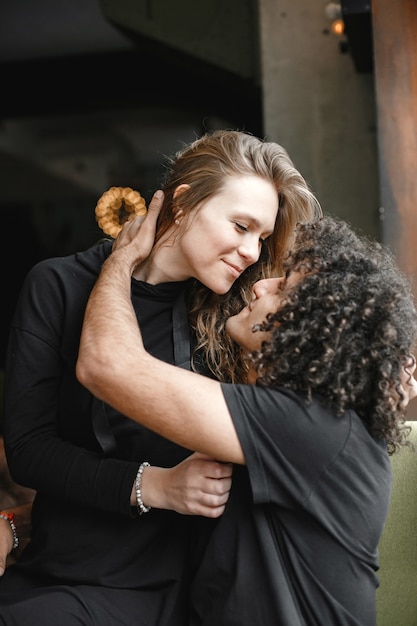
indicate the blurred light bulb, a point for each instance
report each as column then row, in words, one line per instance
column 338, row 27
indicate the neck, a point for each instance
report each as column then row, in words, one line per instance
column 252, row 377
column 164, row 265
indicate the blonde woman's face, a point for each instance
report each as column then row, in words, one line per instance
column 224, row 235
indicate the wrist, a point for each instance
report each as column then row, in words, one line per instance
column 124, row 258
column 141, row 506
column 155, row 488
column 10, row 518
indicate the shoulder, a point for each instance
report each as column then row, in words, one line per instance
column 256, row 398
column 88, row 262
column 57, row 283
column 283, row 413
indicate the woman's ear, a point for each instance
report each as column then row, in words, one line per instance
column 180, row 189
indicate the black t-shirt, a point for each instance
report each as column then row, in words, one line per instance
column 81, row 456
column 298, row 542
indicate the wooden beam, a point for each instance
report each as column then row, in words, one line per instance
column 395, row 49
column 395, row 69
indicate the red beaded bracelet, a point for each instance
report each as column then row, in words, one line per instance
column 10, row 518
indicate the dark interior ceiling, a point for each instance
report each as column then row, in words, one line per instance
column 66, row 57
column 89, row 101
column 141, row 77
column 95, row 91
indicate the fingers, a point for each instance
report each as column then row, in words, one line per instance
column 128, row 232
column 214, row 497
column 218, row 487
column 149, row 223
column 199, row 485
column 155, row 204
column 215, row 488
column 146, row 225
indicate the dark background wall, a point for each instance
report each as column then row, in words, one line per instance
column 97, row 92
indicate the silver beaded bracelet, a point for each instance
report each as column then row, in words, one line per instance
column 138, row 486
column 10, row 518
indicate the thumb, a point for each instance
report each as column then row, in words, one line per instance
column 155, row 206
column 148, row 226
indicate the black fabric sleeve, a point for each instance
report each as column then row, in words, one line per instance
column 50, row 444
column 288, row 443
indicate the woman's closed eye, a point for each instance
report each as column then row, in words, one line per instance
column 245, row 229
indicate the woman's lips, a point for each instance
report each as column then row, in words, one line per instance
column 234, row 269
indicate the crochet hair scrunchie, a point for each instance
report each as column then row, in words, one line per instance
column 116, row 206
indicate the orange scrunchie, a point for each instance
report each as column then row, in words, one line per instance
column 116, row 206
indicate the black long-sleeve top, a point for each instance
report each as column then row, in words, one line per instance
column 80, row 455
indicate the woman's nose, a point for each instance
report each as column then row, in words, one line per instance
column 251, row 250
column 267, row 285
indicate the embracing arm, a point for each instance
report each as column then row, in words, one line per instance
column 182, row 406
column 47, row 417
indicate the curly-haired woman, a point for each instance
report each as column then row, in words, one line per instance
column 328, row 345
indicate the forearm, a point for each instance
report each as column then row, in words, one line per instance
column 74, row 474
column 116, row 320
column 42, row 403
column 181, row 406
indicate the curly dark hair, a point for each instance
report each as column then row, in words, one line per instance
column 346, row 329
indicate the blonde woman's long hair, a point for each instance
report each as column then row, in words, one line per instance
column 205, row 165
